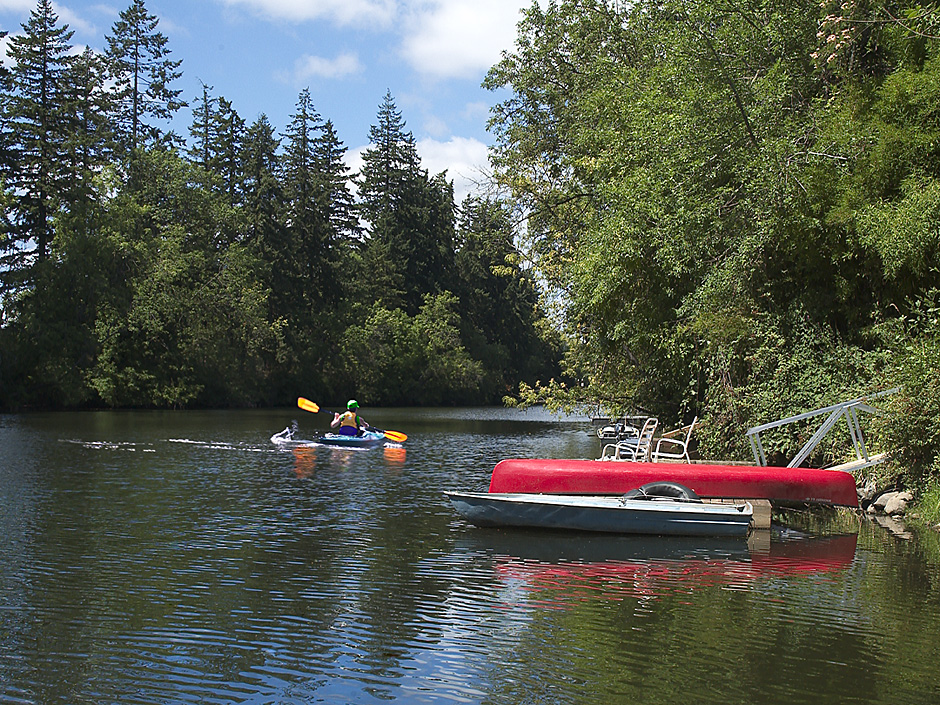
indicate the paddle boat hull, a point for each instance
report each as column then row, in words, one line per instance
column 599, row 477
column 618, row 515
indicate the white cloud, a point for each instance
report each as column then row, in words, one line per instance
column 5, row 59
column 65, row 14
column 344, row 12
column 17, row 5
column 464, row 159
column 434, row 125
column 478, row 110
column 460, row 38
column 74, row 21
column 308, row 67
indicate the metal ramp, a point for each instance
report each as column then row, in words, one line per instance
column 848, row 410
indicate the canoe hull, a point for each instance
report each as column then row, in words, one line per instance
column 603, row 514
column 598, row 477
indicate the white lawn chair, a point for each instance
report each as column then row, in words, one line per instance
column 676, row 446
column 636, row 449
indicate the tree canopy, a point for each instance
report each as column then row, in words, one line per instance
column 733, row 203
column 241, row 268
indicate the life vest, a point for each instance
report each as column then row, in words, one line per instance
column 349, row 418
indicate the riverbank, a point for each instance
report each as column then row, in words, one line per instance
column 923, row 509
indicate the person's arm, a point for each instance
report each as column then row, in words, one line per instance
column 335, row 422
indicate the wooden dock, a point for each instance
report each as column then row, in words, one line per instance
column 760, row 519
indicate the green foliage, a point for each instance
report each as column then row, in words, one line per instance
column 398, row 360
column 383, row 356
column 448, row 375
column 927, row 505
column 913, row 433
column 730, row 203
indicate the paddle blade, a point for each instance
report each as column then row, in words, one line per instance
column 395, row 436
column 307, row 405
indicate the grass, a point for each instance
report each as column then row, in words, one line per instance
column 927, row 505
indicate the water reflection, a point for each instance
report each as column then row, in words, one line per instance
column 308, row 456
column 395, row 455
column 182, row 557
column 305, row 461
column 560, row 569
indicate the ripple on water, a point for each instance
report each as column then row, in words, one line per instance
column 183, row 558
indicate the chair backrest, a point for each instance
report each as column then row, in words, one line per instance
column 645, row 441
column 688, row 436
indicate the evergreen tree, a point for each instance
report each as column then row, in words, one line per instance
column 217, row 132
column 307, row 255
column 337, row 199
column 7, row 166
column 262, row 198
column 89, row 145
column 6, row 138
column 499, row 301
column 390, row 162
column 229, row 134
column 410, row 216
column 431, row 266
column 201, row 128
column 37, row 114
column 142, row 73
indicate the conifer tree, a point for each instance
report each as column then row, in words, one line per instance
column 307, row 251
column 229, row 133
column 410, row 216
column 6, row 154
column 217, row 131
column 200, row 129
column 390, row 162
column 142, row 75
column 262, row 196
column 38, row 120
column 337, row 200
column 7, row 165
column 89, row 143
column 499, row 301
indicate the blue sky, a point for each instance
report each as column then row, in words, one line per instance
column 259, row 54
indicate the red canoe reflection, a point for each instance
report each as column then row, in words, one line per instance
column 665, row 566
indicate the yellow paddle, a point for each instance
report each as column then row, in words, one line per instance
column 308, row 405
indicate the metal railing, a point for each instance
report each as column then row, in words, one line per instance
column 847, row 409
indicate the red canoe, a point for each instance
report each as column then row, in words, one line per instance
column 592, row 477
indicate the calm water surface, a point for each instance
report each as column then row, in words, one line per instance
column 179, row 557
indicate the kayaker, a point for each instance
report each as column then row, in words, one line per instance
column 350, row 423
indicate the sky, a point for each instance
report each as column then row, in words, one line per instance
column 432, row 55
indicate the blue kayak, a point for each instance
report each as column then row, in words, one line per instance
column 367, row 440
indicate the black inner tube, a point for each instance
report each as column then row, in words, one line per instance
column 663, row 489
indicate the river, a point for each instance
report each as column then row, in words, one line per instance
column 180, row 557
